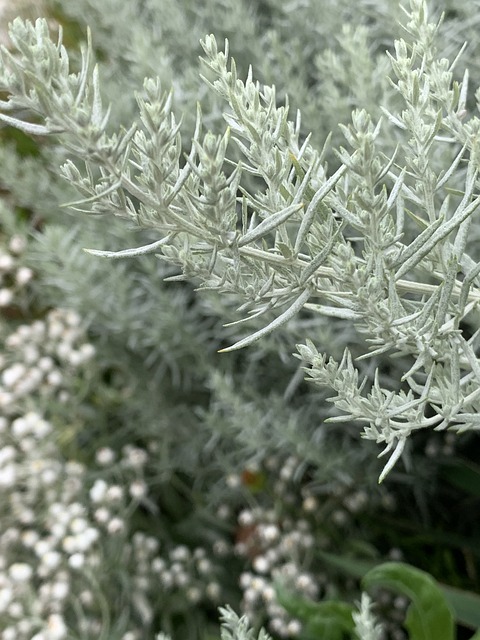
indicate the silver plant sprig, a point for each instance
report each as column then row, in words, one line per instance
column 366, row 625
column 444, row 368
column 382, row 242
column 235, row 627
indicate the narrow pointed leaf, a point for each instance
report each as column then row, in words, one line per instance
column 129, row 253
column 278, row 322
column 269, row 224
column 28, row 127
column 312, row 207
column 96, row 196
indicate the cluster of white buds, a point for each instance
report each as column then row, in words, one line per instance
column 62, row 527
column 277, row 548
column 276, row 539
column 130, row 488
column 41, row 357
column 48, row 541
column 13, row 275
column 274, row 545
column 180, row 570
column 62, row 531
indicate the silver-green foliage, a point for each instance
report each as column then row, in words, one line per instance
column 236, row 628
column 382, row 243
column 366, row 625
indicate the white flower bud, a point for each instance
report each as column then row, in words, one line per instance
column 6, row 262
column 17, row 244
column 23, row 276
column 6, row 297
column 76, row 561
column 20, row 572
column 105, row 456
column 98, row 491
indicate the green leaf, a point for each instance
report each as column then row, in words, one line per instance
column 328, row 619
column 429, row 617
column 465, row 604
column 350, row 566
column 464, row 475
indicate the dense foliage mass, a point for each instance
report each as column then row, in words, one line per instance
column 161, row 454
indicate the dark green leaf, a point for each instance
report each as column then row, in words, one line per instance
column 429, row 617
column 328, row 619
column 463, row 474
column 465, row 604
